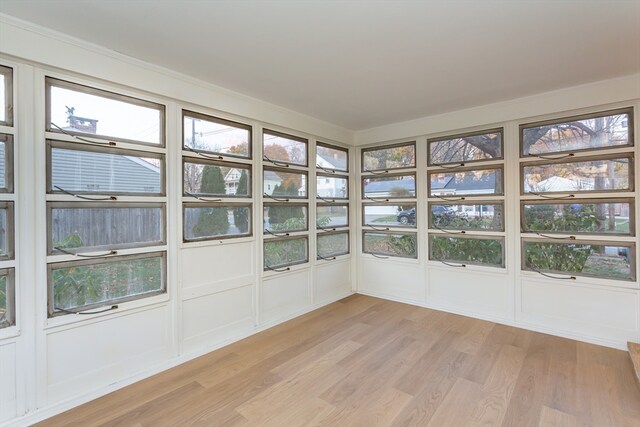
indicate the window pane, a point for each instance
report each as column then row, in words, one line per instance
column 467, row 250
column 466, row 148
column 283, row 148
column 467, row 216
column 6, row 95
column 80, row 109
column 606, row 260
column 331, row 187
column 6, row 162
column 284, row 217
column 217, row 179
column 579, row 217
column 205, row 133
column 385, row 215
column 216, row 221
column 400, row 156
column 6, row 230
column 388, row 187
column 85, row 228
column 477, row 182
column 333, row 244
column 332, row 158
column 79, row 285
column 283, row 252
column 389, row 244
column 578, row 176
column 105, row 172
column 599, row 131
column 7, row 300
column 278, row 183
column 331, row 216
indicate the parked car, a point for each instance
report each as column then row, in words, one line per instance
column 407, row 216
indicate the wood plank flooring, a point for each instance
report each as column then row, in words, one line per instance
column 369, row 362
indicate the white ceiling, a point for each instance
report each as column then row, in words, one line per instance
column 363, row 64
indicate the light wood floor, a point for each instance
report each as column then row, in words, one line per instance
column 366, row 362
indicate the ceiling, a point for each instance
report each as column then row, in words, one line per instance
column 363, row 64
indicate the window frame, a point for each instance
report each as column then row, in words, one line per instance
column 220, row 204
column 336, row 148
column 386, row 147
column 51, row 205
column 230, row 123
column 51, row 312
column 221, row 164
column 73, row 146
column 498, row 130
column 496, row 167
column 628, row 200
column 500, row 238
column 282, row 163
column 9, row 174
column 108, row 94
column 7, row 72
column 629, row 244
column 557, row 121
column 613, row 156
column 10, row 272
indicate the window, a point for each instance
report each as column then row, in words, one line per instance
column 7, row 298
column 389, row 201
column 399, row 156
column 463, row 232
column 208, row 136
column 281, row 149
column 285, row 201
column 75, row 109
column 6, row 163
column 332, row 197
column 561, row 160
column 216, row 192
column 106, row 200
column 6, row 96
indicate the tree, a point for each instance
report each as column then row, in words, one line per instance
column 241, row 215
column 212, row 221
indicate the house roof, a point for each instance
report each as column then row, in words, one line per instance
column 468, row 182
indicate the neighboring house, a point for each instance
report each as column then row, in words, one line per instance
column 446, row 186
column 385, row 188
column 328, row 162
column 271, row 179
column 231, row 180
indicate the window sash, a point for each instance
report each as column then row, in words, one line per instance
column 333, row 148
column 9, row 231
column 7, row 141
column 277, row 206
column 451, row 139
column 161, row 231
column 323, row 254
column 393, row 236
column 9, row 317
column 322, row 177
column 320, row 206
column 630, row 176
column 374, row 195
column 303, row 177
column 498, row 188
column 293, row 139
column 566, row 120
column 85, row 148
column 267, row 266
column 395, row 207
column 524, row 228
column 186, row 114
column 229, row 165
column 468, row 259
column 7, row 73
column 217, row 236
column 630, row 248
column 51, row 82
column 460, row 225
column 110, row 260
column 390, row 148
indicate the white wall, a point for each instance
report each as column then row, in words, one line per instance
column 50, row 365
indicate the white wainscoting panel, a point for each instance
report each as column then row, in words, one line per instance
column 333, row 280
column 232, row 260
column 8, row 381
column 285, row 294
